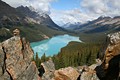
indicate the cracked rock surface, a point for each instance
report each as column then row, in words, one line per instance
column 16, row 60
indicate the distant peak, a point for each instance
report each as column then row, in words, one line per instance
column 23, row 7
column 103, row 17
column 32, row 8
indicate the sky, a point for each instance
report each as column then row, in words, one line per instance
column 65, row 4
column 72, row 11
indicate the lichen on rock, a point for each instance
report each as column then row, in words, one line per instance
column 16, row 60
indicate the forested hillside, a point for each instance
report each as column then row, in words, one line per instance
column 32, row 25
column 74, row 54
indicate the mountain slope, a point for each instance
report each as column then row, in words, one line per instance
column 33, row 26
column 4, row 8
column 40, row 17
column 71, row 26
column 102, row 24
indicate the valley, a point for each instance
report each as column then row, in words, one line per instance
column 44, row 50
column 32, row 25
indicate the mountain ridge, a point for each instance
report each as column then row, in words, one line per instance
column 41, row 18
column 28, row 22
column 101, row 24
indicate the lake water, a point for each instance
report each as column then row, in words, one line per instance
column 53, row 45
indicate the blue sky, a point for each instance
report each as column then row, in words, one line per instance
column 72, row 11
column 66, row 4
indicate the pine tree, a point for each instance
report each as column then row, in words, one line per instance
column 37, row 60
column 43, row 58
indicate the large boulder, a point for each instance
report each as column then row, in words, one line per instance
column 49, row 73
column 16, row 60
column 47, row 70
column 68, row 73
column 48, row 66
column 88, row 73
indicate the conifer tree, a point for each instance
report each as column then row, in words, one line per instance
column 37, row 60
column 43, row 58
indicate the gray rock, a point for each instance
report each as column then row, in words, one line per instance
column 89, row 76
column 67, row 73
column 114, row 38
column 16, row 60
column 48, row 66
column 49, row 69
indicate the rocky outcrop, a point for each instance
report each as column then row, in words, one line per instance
column 16, row 32
column 68, row 73
column 16, row 60
column 48, row 66
column 109, row 69
column 88, row 73
column 47, row 69
column 88, row 76
column 49, row 72
column 113, row 48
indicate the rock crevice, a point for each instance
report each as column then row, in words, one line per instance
column 16, row 60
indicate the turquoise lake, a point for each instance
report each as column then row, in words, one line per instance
column 53, row 45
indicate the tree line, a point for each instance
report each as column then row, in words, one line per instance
column 74, row 54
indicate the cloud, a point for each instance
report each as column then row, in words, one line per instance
column 115, row 4
column 95, row 6
column 69, row 16
column 40, row 5
column 16, row 3
column 101, row 7
column 88, row 10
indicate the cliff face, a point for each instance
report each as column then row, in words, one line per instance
column 113, row 49
column 109, row 69
column 16, row 60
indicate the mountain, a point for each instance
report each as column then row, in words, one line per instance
column 25, row 15
column 95, row 30
column 71, row 26
column 40, row 17
column 102, row 24
column 33, row 26
column 4, row 8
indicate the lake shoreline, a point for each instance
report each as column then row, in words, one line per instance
column 52, row 45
